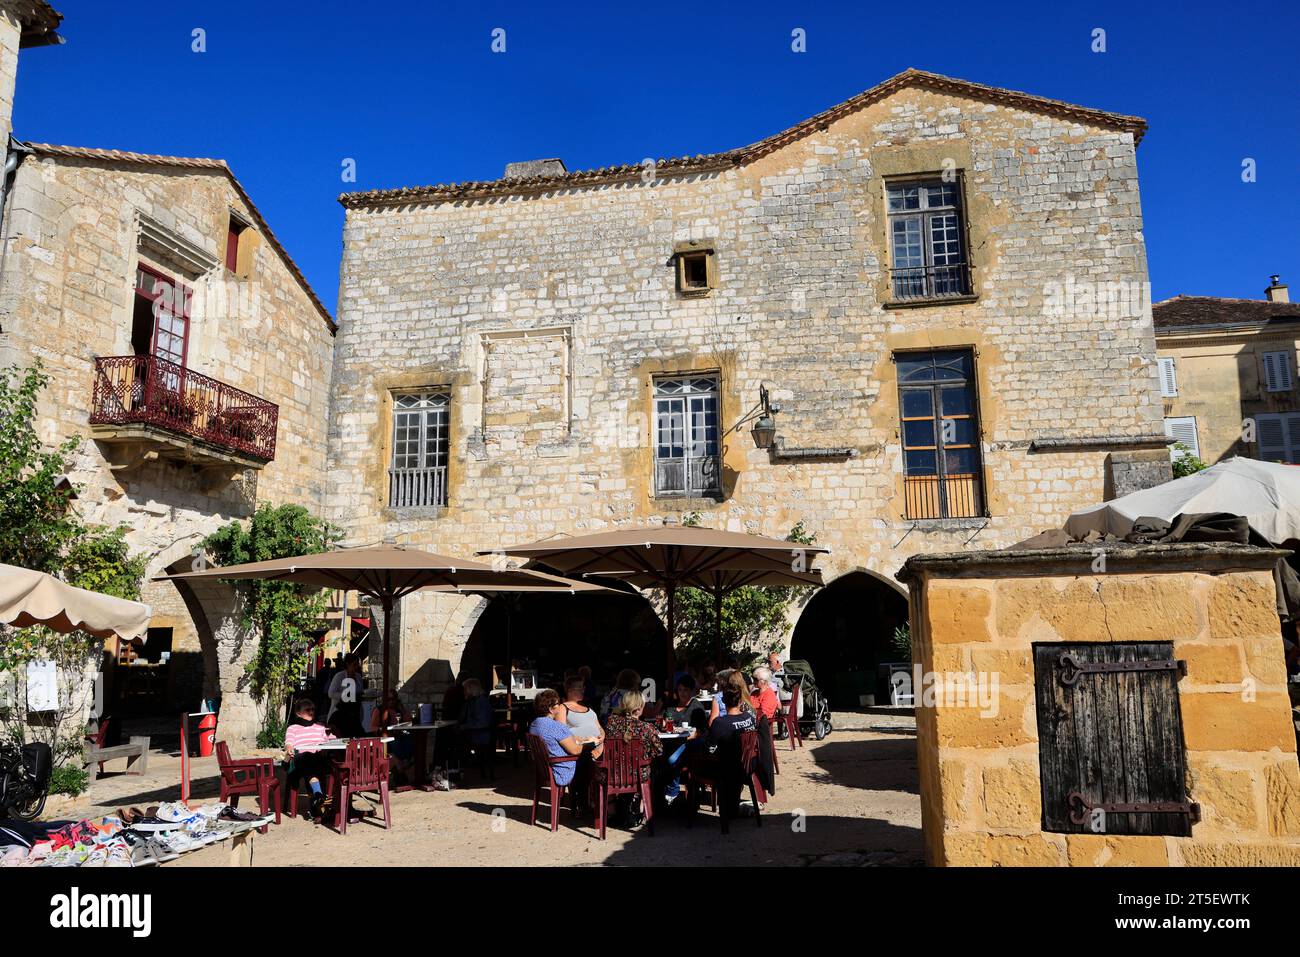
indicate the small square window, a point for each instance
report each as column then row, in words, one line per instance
column 696, row 269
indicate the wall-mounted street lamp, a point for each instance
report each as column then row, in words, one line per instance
column 764, row 428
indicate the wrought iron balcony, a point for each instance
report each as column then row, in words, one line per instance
column 919, row 283
column 417, row 488
column 151, row 393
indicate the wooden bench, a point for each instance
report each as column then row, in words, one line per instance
column 136, row 750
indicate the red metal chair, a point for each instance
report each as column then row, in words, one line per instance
column 543, row 779
column 249, row 776
column 621, row 764
column 714, row 775
column 365, row 767
column 790, row 715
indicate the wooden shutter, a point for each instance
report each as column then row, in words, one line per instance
column 1277, row 435
column 1277, row 372
column 1168, row 378
column 1111, row 737
column 1182, row 428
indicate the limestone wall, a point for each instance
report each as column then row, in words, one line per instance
column 430, row 292
column 980, row 777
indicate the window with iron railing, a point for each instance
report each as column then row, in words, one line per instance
column 687, row 441
column 418, row 476
column 940, row 434
column 926, row 239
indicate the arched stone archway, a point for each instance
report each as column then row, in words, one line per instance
column 226, row 644
column 560, row 632
column 845, row 632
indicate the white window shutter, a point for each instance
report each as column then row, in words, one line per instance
column 1182, row 428
column 1168, row 378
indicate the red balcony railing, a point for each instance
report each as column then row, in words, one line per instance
column 147, row 390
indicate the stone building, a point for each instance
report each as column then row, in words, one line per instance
column 188, row 351
column 942, row 285
column 1228, row 374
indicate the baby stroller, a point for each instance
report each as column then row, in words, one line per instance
column 814, row 710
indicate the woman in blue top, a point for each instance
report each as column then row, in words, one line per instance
column 550, row 726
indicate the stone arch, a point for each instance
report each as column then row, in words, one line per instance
column 561, row 631
column 226, row 644
column 845, row 632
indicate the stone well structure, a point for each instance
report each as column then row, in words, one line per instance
column 982, row 781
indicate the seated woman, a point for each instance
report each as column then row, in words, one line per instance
column 549, row 725
column 578, row 716
column 728, row 678
column 723, row 744
column 763, row 695
column 625, row 724
column 386, row 714
column 302, row 740
column 684, row 710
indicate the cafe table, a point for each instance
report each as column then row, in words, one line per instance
column 419, row 743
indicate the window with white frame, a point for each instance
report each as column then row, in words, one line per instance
column 1277, row 371
column 418, row 475
column 687, row 439
column 926, row 240
column 1277, row 435
column 1182, row 429
column 1168, row 378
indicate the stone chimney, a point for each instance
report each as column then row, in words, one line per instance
column 530, row 168
column 1276, row 291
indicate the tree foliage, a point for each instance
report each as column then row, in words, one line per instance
column 285, row 615
column 1185, row 463
column 754, row 618
column 41, row 529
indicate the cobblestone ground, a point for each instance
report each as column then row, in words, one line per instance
column 849, row 800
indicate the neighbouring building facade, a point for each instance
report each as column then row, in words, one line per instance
column 1228, row 374
column 942, row 285
column 187, row 350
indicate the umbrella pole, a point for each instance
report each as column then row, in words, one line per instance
column 671, row 589
column 510, row 667
column 388, row 630
column 717, row 628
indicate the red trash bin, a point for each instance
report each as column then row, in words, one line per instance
column 207, row 734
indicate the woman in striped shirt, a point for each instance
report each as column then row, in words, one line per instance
column 302, row 740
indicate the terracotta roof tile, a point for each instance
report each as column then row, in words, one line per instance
column 192, row 162
column 1182, row 311
column 738, row 157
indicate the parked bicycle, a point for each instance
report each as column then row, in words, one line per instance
column 24, row 780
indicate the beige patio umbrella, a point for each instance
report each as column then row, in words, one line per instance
column 30, row 598
column 672, row 557
column 387, row 573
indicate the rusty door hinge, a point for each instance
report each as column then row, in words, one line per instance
column 1081, row 807
column 1072, row 668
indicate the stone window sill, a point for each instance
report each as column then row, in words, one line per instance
column 415, row 511
column 948, row 524
column 939, row 301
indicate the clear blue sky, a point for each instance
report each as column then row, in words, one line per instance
column 413, row 92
